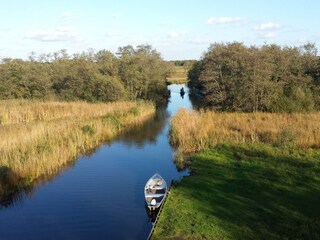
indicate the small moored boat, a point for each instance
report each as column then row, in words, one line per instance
column 155, row 191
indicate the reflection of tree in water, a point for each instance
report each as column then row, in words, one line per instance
column 196, row 100
column 14, row 188
column 147, row 132
column 8, row 185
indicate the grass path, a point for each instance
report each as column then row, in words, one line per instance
column 245, row 192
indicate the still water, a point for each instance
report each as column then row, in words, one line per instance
column 100, row 196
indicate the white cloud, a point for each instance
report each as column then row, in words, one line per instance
column 5, row 29
column 115, row 15
column 165, row 22
column 267, row 30
column 67, row 14
column 175, row 34
column 267, row 26
column 198, row 41
column 60, row 34
column 267, row 35
column 113, row 35
column 221, row 20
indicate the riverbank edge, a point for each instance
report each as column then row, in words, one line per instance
column 82, row 136
column 191, row 212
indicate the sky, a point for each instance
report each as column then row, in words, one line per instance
column 178, row 29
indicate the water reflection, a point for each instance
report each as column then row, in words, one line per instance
column 100, row 195
column 147, row 132
column 152, row 214
column 195, row 98
column 15, row 190
column 137, row 136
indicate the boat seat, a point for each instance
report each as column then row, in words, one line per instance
column 158, row 187
column 154, row 195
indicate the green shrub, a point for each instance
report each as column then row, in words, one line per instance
column 134, row 111
column 89, row 130
column 286, row 138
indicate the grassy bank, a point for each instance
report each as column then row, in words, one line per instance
column 37, row 138
column 193, row 131
column 255, row 176
column 245, row 192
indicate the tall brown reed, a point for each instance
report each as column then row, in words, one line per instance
column 25, row 111
column 192, row 131
column 36, row 141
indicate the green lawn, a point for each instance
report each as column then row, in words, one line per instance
column 245, row 192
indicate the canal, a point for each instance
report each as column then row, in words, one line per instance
column 100, row 195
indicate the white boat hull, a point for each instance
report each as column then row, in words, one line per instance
column 155, row 191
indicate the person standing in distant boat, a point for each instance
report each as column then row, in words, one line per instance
column 182, row 92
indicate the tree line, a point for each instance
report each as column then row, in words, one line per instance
column 270, row 78
column 131, row 73
column 183, row 63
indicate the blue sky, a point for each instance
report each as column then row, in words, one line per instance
column 178, row 29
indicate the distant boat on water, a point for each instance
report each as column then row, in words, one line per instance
column 155, row 191
column 182, row 92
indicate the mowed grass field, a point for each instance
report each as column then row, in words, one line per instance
column 245, row 192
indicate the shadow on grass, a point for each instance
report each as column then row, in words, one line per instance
column 255, row 193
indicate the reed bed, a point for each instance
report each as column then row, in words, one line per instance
column 37, row 138
column 25, row 111
column 193, row 131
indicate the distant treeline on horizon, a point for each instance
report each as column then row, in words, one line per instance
column 229, row 77
column 133, row 73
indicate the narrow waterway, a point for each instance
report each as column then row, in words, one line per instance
column 100, row 196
